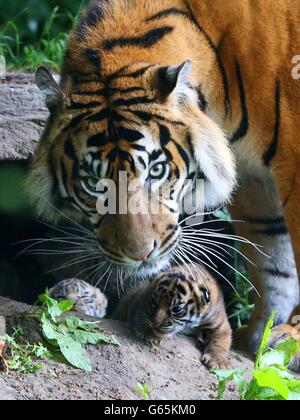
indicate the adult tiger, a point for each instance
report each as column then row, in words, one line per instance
column 123, row 104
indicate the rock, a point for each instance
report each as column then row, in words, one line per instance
column 6, row 394
column 22, row 116
column 2, row 326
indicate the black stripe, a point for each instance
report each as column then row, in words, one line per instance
column 138, row 147
column 147, row 40
column 202, row 101
column 89, row 18
column 76, row 121
column 155, row 155
column 227, row 104
column 184, row 156
column 107, row 114
column 271, row 152
column 109, row 91
column 64, row 175
column 273, row 231
column 137, row 73
column 89, row 105
column 69, row 149
column 126, row 157
column 278, row 273
column 244, row 124
column 181, row 289
column 147, row 116
column 141, row 100
column 168, row 12
column 93, row 57
column 143, row 163
column 144, row 116
column 97, row 140
column 129, row 135
column 265, row 221
column 164, row 135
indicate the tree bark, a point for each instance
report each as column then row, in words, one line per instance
column 22, row 116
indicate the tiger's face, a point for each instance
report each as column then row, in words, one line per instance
column 143, row 121
column 178, row 303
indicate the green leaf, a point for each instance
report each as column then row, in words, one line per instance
column 48, row 329
column 74, row 353
column 74, row 323
column 265, row 339
column 289, row 348
column 270, row 378
column 66, row 306
column 273, row 358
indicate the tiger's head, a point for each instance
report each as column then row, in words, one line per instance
column 178, row 302
column 145, row 121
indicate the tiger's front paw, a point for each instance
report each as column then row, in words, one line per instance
column 216, row 359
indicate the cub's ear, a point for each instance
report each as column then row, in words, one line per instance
column 173, row 78
column 48, row 86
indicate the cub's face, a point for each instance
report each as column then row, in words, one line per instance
column 178, row 303
column 124, row 153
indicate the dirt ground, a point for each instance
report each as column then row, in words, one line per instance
column 172, row 371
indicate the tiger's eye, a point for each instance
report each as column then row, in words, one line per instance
column 177, row 310
column 154, row 302
column 91, row 184
column 158, row 170
column 206, row 295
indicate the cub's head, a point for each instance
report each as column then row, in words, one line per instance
column 124, row 151
column 178, row 302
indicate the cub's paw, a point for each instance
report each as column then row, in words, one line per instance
column 281, row 334
column 148, row 338
column 153, row 341
column 216, row 359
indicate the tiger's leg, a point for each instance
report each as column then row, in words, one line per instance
column 291, row 205
column 215, row 355
column 258, row 204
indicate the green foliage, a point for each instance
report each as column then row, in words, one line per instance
column 23, row 357
column 64, row 337
column 144, row 390
column 48, row 48
column 270, row 377
column 69, row 335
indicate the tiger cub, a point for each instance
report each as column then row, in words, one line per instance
column 179, row 302
column 88, row 300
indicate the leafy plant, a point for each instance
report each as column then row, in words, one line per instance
column 64, row 337
column 69, row 335
column 144, row 390
column 270, row 377
column 23, row 357
column 48, row 48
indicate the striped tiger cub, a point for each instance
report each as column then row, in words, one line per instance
column 181, row 302
column 88, row 300
column 173, row 91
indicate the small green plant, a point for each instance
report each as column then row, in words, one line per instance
column 69, row 335
column 144, row 390
column 23, row 357
column 270, row 377
column 64, row 337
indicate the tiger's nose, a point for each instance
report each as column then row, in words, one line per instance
column 141, row 254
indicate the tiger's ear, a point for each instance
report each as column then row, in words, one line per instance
column 48, row 86
column 173, row 78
